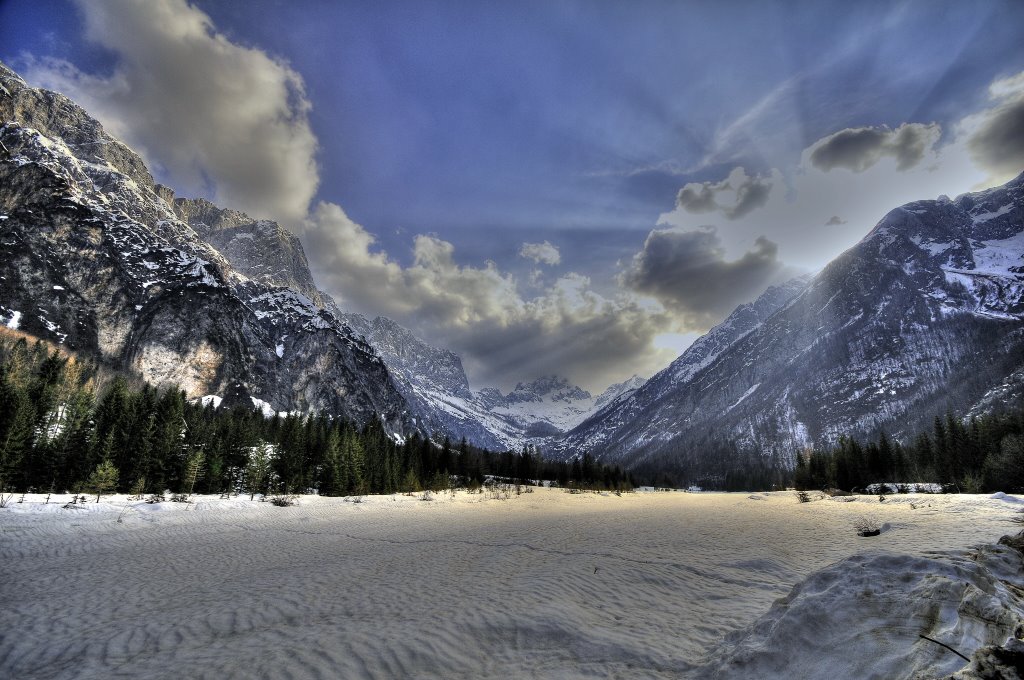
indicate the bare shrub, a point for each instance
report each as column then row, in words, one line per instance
column 498, row 490
column 867, row 527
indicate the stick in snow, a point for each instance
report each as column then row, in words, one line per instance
column 943, row 644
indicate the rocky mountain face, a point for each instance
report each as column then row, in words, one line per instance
column 98, row 257
column 262, row 250
column 603, row 427
column 923, row 315
column 434, row 385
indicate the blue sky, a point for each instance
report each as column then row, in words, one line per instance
column 486, row 125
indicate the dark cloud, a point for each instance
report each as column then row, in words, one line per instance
column 854, row 149
column 688, row 273
column 698, row 198
column 735, row 196
column 857, row 149
column 998, row 144
column 835, row 221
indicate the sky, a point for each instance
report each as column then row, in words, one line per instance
column 569, row 187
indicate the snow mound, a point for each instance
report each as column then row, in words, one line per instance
column 884, row 616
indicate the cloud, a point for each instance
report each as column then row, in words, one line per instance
column 213, row 116
column 481, row 313
column 735, row 196
column 996, row 135
column 843, row 185
column 858, row 149
column 541, row 253
column 688, row 272
column 231, row 122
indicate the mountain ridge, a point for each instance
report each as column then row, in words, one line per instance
column 96, row 258
column 922, row 316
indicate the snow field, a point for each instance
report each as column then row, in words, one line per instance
column 547, row 584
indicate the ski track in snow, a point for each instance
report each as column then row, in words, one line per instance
column 546, row 584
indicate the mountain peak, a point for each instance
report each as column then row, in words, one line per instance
column 547, row 388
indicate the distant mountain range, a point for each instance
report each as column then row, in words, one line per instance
column 922, row 316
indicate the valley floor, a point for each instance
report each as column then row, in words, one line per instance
column 546, row 584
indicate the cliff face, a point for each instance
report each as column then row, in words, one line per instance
column 260, row 249
column 98, row 257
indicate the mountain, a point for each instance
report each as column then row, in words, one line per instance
column 262, row 250
column 923, row 315
column 103, row 259
column 435, row 386
column 98, row 257
column 602, row 430
column 550, row 405
column 434, row 383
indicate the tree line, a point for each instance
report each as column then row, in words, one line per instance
column 71, row 425
column 982, row 454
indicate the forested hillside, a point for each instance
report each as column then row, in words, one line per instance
column 982, row 454
column 68, row 424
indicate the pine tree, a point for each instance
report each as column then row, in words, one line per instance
column 16, row 428
column 354, row 459
column 334, row 479
column 1004, row 469
column 257, row 469
column 193, row 471
column 103, row 479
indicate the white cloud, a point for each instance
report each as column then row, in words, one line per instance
column 214, row 116
column 541, row 253
column 481, row 312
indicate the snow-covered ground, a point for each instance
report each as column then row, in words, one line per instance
column 547, row 584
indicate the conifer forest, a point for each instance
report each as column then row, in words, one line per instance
column 70, row 425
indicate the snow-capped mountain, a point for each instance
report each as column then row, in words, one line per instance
column 98, row 256
column 435, row 386
column 551, row 405
column 923, row 315
column 434, row 383
column 603, row 426
column 95, row 255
